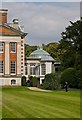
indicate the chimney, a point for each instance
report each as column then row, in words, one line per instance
column 3, row 16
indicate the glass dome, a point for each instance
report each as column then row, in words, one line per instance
column 40, row 53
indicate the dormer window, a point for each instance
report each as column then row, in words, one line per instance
column 12, row 47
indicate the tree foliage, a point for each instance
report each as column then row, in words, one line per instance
column 52, row 49
column 73, row 77
column 79, row 78
column 69, row 76
column 29, row 49
column 71, row 46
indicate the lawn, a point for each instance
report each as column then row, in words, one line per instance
column 0, row 102
column 19, row 102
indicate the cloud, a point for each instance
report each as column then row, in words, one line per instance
column 44, row 22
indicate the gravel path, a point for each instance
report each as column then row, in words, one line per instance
column 38, row 89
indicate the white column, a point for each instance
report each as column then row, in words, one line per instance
column 28, row 69
column 40, row 81
column 18, row 58
column 48, row 67
column 40, row 70
column 7, row 60
column 40, row 75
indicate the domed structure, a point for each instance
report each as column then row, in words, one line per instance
column 40, row 53
column 38, row 64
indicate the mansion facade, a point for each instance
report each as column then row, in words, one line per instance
column 11, row 50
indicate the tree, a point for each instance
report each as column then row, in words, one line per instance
column 79, row 78
column 52, row 49
column 73, row 77
column 29, row 49
column 71, row 46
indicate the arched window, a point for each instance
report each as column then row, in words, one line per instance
column 13, row 82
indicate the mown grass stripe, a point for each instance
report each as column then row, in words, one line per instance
column 24, row 103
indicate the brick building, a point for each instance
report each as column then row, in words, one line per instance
column 11, row 50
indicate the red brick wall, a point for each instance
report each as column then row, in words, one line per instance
column 3, row 17
column 6, row 31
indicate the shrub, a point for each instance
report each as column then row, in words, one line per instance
column 51, row 81
column 34, row 81
column 79, row 79
column 23, row 81
column 69, row 75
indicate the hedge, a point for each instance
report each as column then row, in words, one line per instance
column 51, row 81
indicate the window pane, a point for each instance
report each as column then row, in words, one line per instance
column 13, row 82
column 13, row 47
column 1, row 66
column 43, row 68
column 1, row 46
column 12, row 66
column 32, row 69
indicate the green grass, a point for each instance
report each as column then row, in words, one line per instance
column 0, row 102
column 19, row 102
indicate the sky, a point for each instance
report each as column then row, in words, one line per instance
column 43, row 21
column 40, row 0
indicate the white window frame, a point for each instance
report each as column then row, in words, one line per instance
column 2, row 67
column 32, row 69
column 2, row 47
column 43, row 69
column 11, row 51
column 12, row 73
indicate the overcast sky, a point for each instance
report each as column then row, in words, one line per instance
column 40, row 0
column 45, row 21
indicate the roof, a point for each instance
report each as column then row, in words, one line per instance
column 11, row 30
column 40, row 53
